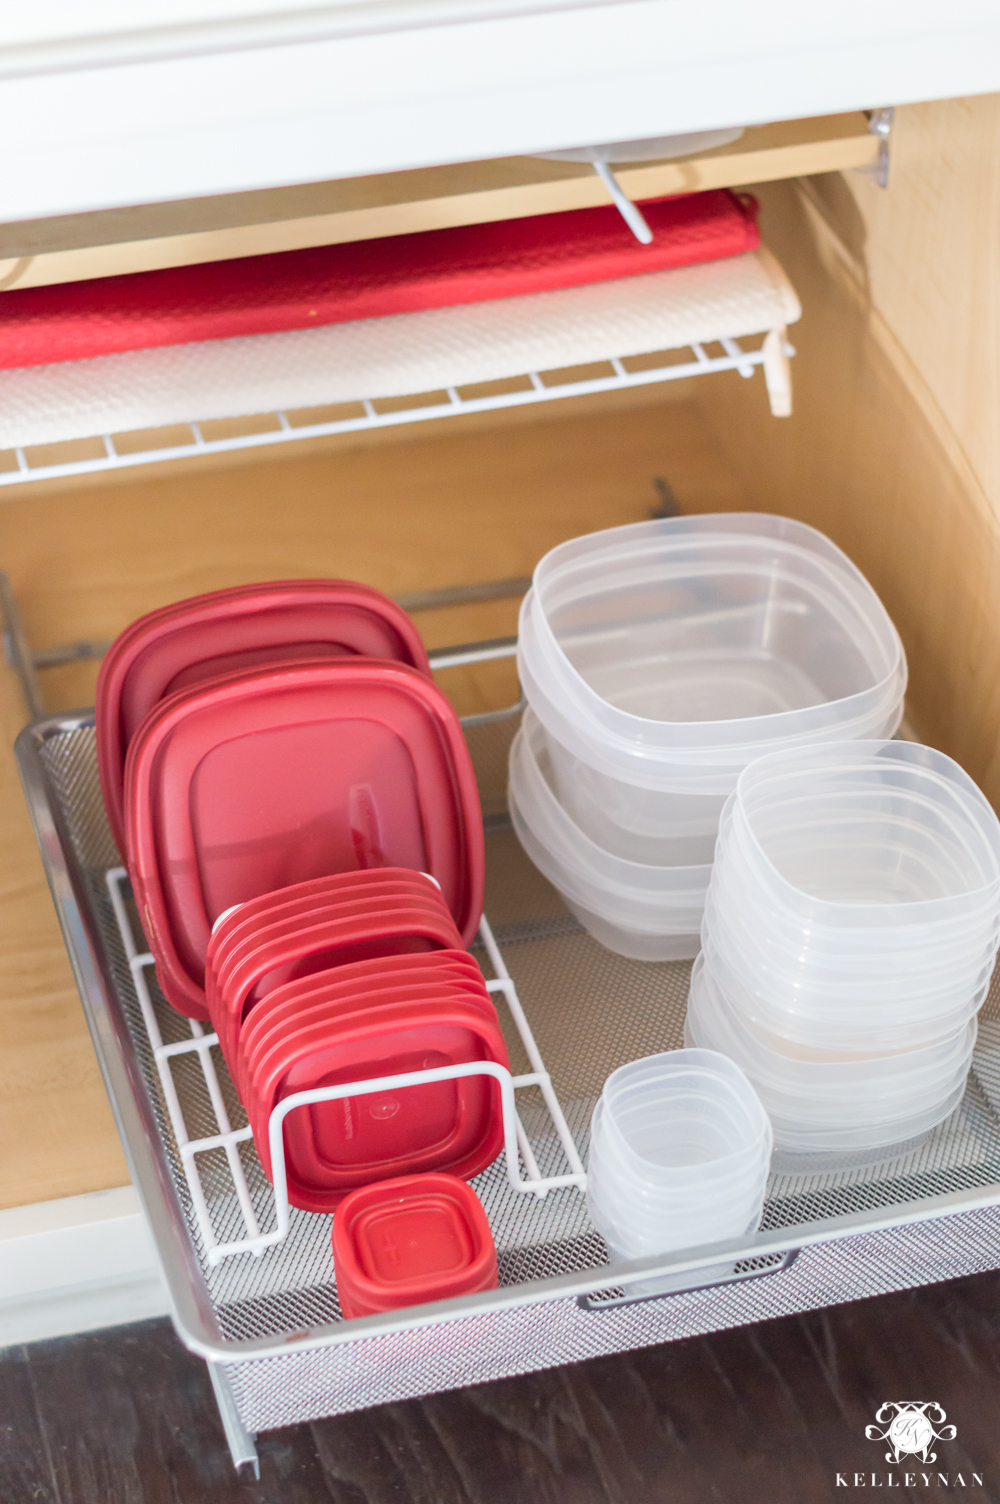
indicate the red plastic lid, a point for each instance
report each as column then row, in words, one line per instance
column 260, row 780
column 228, row 631
column 365, row 980
column 303, row 951
column 300, row 1008
column 224, row 955
column 406, row 1241
column 332, row 1147
column 267, row 906
column 324, row 1024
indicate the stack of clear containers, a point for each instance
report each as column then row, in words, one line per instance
column 849, row 937
column 679, row 1154
column 658, row 660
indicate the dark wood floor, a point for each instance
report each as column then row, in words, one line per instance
column 770, row 1413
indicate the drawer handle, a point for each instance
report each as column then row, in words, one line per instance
column 616, row 1302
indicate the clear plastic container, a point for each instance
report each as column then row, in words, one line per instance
column 642, row 825
column 872, row 1024
column 647, row 1099
column 642, row 1200
column 908, row 969
column 855, row 898
column 921, row 846
column 680, row 1149
column 854, row 1092
column 648, row 912
column 739, row 887
column 668, row 654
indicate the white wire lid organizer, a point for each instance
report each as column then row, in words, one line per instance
column 728, row 315
column 261, row 1304
column 202, row 1044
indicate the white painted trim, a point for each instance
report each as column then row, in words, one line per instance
column 467, row 88
column 76, row 1264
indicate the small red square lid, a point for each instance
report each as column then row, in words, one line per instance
column 406, row 1241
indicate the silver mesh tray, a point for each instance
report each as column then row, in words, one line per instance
column 272, row 1323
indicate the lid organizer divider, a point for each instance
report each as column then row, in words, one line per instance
column 227, row 1138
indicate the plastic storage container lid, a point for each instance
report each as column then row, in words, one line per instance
column 363, row 903
column 227, row 631
column 353, row 988
column 332, row 1010
column 243, row 919
column 455, row 1126
column 302, row 953
column 259, row 780
column 406, row 1241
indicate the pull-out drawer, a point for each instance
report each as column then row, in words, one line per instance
column 471, row 500
column 268, row 1315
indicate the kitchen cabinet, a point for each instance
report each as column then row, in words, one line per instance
column 891, row 449
column 230, row 97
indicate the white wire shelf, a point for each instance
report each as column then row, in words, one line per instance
column 517, row 1148
column 285, row 430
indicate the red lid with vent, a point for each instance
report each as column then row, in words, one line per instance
column 256, row 781
column 403, row 1242
column 228, row 631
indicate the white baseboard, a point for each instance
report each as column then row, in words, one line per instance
column 76, row 1264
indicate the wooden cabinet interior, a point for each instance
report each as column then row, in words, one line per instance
column 74, row 247
column 873, row 455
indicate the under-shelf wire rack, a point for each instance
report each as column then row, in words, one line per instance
column 537, row 387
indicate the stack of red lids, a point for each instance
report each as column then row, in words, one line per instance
column 229, row 631
column 349, row 979
column 301, row 824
